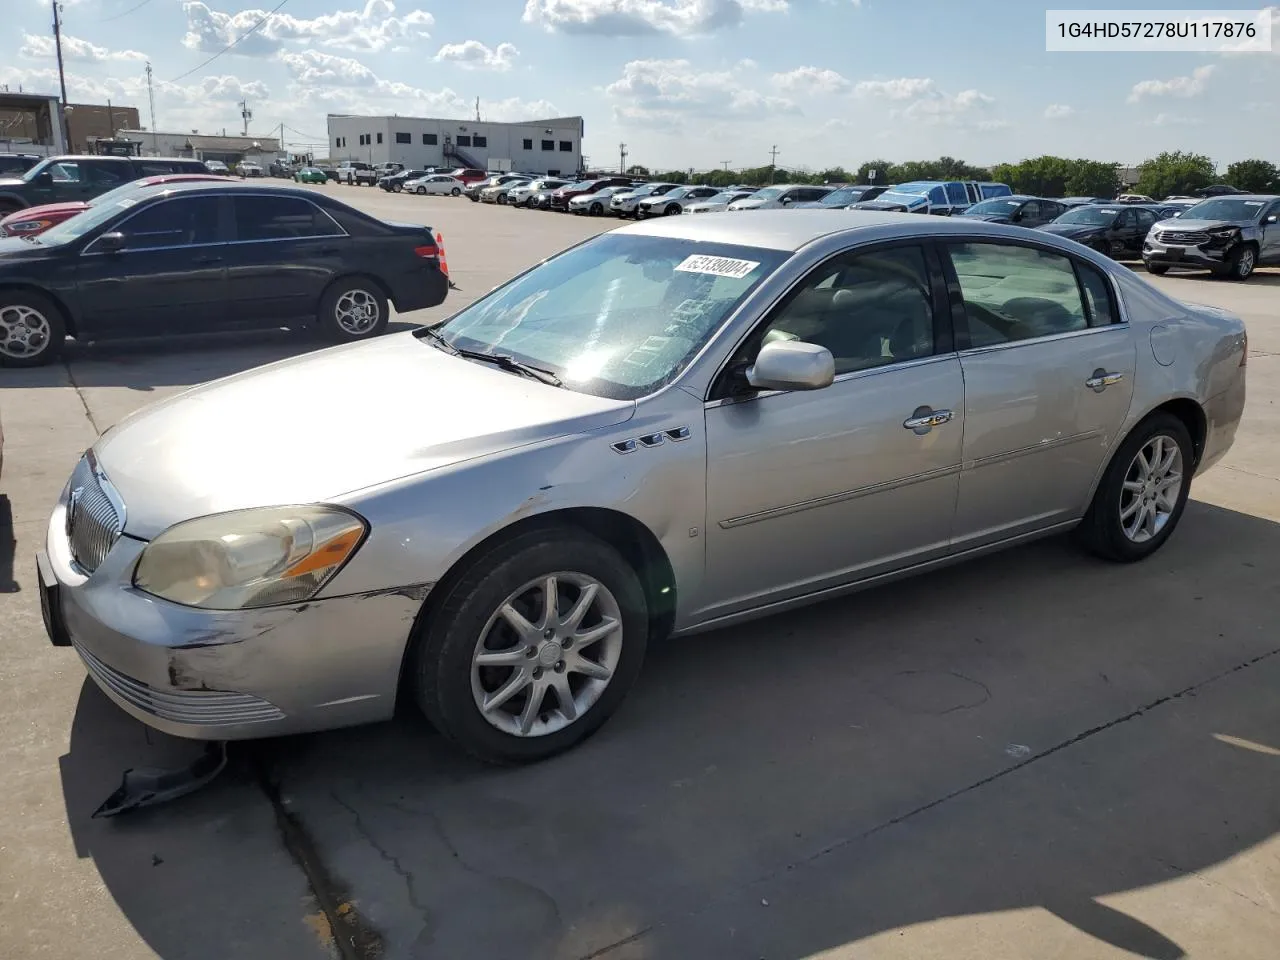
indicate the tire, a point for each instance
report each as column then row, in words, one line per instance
column 448, row 689
column 455, row 191
column 421, row 191
column 1103, row 531
column 502, row 200
column 397, row 187
column 596, row 209
column 341, row 307
column 1241, row 263
column 474, row 198
column 671, row 210
column 32, row 329
column 1159, row 269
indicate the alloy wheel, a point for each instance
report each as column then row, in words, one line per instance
column 1152, row 485
column 24, row 331
column 1244, row 265
column 357, row 311
column 546, row 654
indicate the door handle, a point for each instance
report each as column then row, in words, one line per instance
column 925, row 418
column 208, row 259
column 327, row 251
column 1101, row 379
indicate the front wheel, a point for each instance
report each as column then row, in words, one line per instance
column 1159, row 269
column 421, row 191
column 597, row 209
column 397, row 187
column 473, row 197
column 671, row 211
column 502, row 200
column 1240, row 263
column 32, row 330
column 1142, row 494
column 533, row 648
column 352, row 310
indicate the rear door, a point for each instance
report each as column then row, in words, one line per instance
column 1270, row 229
column 1048, row 372
column 1146, row 219
column 170, row 277
column 286, row 251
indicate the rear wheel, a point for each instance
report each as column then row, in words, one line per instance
column 533, row 648
column 31, row 329
column 1142, row 494
column 353, row 309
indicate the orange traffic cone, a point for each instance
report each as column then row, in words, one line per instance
column 444, row 261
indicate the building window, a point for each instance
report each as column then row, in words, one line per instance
column 463, row 140
column 430, row 139
column 337, row 141
column 566, row 146
column 403, row 138
column 379, row 138
column 480, row 141
column 528, row 144
column 548, row 144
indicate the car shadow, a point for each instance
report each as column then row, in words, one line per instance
column 8, row 546
column 1034, row 729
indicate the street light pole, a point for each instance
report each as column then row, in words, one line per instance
column 62, row 77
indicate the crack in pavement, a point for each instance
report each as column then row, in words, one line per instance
column 88, row 414
column 1249, row 473
column 959, row 792
column 1212, row 882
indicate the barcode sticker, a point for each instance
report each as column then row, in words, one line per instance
column 718, row 266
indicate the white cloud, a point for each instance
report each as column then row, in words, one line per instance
column 968, row 108
column 372, row 28
column 1191, row 86
column 667, row 91
column 132, row 91
column 628, row 18
column 1058, row 111
column 1173, row 120
column 74, row 50
column 474, row 54
column 812, row 80
column 903, row 88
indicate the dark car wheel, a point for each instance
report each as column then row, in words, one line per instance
column 421, row 191
column 473, row 197
column 32, row 329
column 455, row 191
column 533, row 647
column 397, row 187
column 1240, row 263
column 597, row 209
column 671, row 210
column 1142, row 494
column 1159, row 269
column 353, row 309
column 502, row 199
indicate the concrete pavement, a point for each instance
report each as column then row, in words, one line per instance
column 1035, row 754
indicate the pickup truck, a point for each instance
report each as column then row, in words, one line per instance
column 357, row 172
column 938, row 197
column 68, row 178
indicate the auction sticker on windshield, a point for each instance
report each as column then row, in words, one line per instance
column 718, row 266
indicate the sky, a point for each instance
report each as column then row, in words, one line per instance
column 683, row 83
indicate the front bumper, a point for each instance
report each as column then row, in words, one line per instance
column 1213, row 256
column 225, row 675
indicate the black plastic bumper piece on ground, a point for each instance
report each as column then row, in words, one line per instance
column 148, row 786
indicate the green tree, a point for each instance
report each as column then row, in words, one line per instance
column 1256, row 176
column 673, row 176
column 882, row 169
column 1091, row 178
column 1176, row 172
column 637, row 171
column 835, row 174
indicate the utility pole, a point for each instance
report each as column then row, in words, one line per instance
column 773, row 162
column 725, row 164
column 62, row 78
column 622, row 158
column 245, row 115
column 151, row 98
column 280, row 144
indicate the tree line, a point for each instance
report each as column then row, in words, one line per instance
column 1166, row 174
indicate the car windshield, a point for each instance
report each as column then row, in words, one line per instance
column 898, row 196
column 1225, row 208
column 725, row 197
column 914, row 189
column 841, row 197
column 1091, row 216
column 618, row 316
column 93, row 217
column 768, row 193
column 1001, row 206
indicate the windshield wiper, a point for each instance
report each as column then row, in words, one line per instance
column 438, row 339
column 510, row 363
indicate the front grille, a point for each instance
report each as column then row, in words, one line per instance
column 201, row 707
column 1188, row 238
column 93, row 522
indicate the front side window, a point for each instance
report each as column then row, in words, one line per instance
column 869, row 309
column 618, row 316
column 956, row 194
column 179, row 222
column 1146, row 219
column 112, row 175
column 281, row 218
column 1016, row 293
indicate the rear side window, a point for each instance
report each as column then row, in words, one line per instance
column 1014, row 293
column 1097, row 296
column 281, row 218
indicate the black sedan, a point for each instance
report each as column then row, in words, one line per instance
column 1116, row 229
column 208, row 256
column 1022, row 210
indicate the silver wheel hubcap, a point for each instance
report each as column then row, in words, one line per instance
column 1246, row 263
column 24, row 332
column 357, row 311
column 547, row 654
column 1151, row 488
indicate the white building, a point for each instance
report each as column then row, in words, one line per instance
column 535, row 146
column 202, row 146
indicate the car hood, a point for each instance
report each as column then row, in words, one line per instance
column 1073, row 229
column 10, row 182
column 18, row 248
column 313, row 428
column 1182, row 223
column 46, row 210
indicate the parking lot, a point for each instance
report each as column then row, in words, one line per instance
column 1036, row 754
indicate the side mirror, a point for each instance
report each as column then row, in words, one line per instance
column 112, row 242
column 1274, row 218
column 44, row 178
column 784, row 201
column 792, row 365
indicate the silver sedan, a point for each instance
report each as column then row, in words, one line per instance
column 674, row 426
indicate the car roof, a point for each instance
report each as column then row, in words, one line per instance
column 791, row 230
column 218, row 184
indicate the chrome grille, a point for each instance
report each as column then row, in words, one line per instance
column 1190, row 238
column 93, row 520
column 202, row 707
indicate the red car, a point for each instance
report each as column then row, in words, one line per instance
column 36, row 220
column 469, row 175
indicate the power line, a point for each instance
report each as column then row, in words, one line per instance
column 314, row 138
column 126, row 13
column 267, row 16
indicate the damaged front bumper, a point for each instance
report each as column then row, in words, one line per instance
column 226, row 674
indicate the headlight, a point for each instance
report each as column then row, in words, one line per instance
column 249, row 558
column 1224, row 233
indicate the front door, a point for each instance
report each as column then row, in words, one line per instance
column 1270, row 241
column 1048, row 381
column 811, row 489
column 170, row 276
